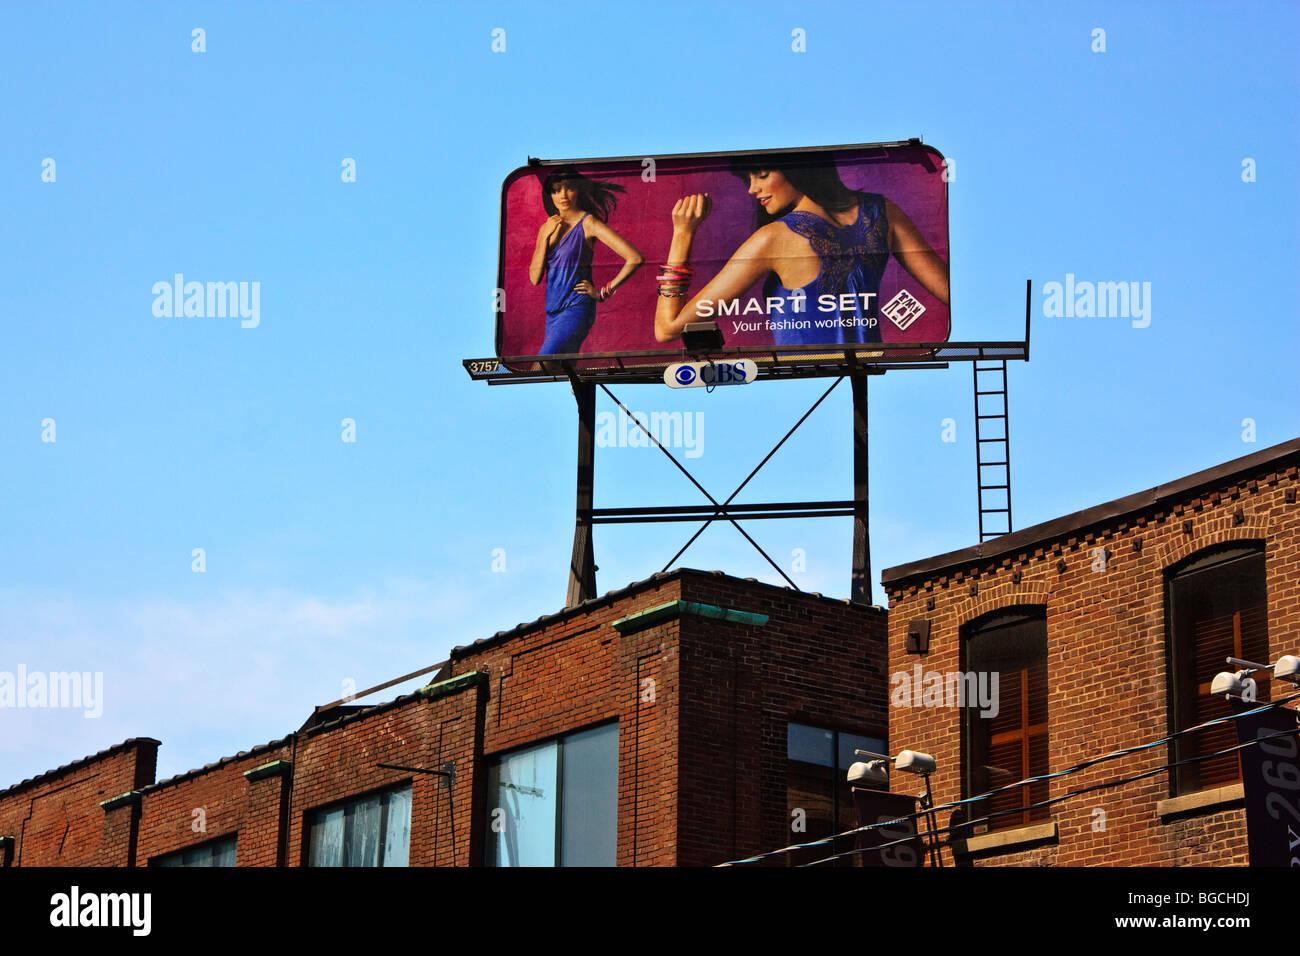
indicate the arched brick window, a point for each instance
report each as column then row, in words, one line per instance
column 1218, row 608
column 1012, row 743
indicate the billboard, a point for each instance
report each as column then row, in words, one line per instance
column 821, row 246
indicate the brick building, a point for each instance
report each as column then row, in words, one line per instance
column 679, row 721
column 696, row 718
column 1106, row 627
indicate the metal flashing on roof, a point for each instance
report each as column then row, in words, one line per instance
column 635, row 587
column 674, row 609
column 121, row 800
column 452, row 685
column 275, row 768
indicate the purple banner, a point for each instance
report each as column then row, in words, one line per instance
column 832, row 246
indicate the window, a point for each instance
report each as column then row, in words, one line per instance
column 1011, row 744
column 555, row 804
column 374, row 830
column 1218, row 608
column 216, row 853
column 817, row 792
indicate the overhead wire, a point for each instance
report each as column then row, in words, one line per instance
column 1104, row 785
column 1091, row 762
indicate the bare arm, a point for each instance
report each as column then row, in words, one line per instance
column 914, row 253
column 751, row 261
column 545, row 240
column 632, row 258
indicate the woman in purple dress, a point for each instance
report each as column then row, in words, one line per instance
column 814, row 237
column 578, row 208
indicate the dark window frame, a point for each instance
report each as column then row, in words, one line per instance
column 1182, row 694
column 840, row 790
column 494, row 761
column 208, row 844
column 353, row 798
column 971, row 748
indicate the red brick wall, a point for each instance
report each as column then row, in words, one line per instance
column 227, row 803
column 333, row 764
column 1106, row 636
column 701, row 707
column 702, row 763
column 579, row 671
column 56, row 820
column 817, row 661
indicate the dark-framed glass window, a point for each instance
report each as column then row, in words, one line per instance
column 371, row 830
column 817, row 794
column 219, row 852
column 1218, row 608
column 555, row 803
column 1011, row 744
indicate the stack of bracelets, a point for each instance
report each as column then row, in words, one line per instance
column 674, row 281
column 605, row 292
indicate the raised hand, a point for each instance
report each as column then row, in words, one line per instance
column 690, row 211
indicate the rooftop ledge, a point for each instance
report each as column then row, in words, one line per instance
column 121, row 800
column 665, row 612
column 273, row 769
column 452, row 685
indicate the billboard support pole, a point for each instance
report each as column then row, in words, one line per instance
column 582, row 566
column 860, row 585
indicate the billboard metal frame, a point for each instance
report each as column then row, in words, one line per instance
column 535, row 163
column 853, row 361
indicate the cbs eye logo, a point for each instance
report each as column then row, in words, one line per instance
column 685, row 375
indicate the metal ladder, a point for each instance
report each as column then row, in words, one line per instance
column 992, row 448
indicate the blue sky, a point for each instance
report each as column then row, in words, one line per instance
column 329, row 561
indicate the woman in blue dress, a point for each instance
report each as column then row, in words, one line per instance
column 578, row 208
column 815, row 237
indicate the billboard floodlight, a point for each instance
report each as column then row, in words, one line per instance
column 1287, row 668
column 700, row 337
column 913, row 761
column 1228, row 683
column 873, row 774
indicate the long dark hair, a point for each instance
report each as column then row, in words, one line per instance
column 813, row 174
column 594, row 196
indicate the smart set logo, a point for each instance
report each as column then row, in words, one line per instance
column 903, row 309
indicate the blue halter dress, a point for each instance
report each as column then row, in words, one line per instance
column 569, row 314
column 853, row 258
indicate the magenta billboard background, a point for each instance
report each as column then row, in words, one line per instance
column 910, row 176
